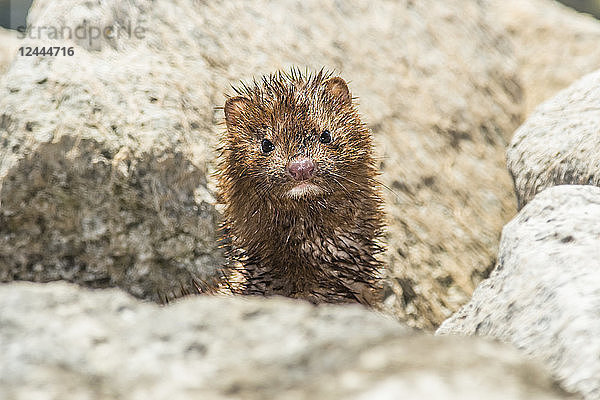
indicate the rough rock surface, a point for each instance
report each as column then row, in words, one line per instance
column 554, row 45
column 544, row 294
column 103, row 161
column 104, row 156
column 64, row 342
column 560, row 142
column 9, row 45
column 442, row 107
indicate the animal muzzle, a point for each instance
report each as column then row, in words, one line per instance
column 301, row 169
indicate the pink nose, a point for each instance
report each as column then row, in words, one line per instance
column 301, row 169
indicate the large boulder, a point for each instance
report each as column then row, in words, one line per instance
column 544, row 294
column 442, row 105
column 105, row 156
column 554, row 45
column 64, row 342
column 559, row 143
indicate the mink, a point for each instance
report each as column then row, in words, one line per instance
column 302, row 208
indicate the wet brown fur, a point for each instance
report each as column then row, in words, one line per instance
column 320, row 247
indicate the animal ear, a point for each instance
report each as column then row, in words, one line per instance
column 234, row 107
column 338, row 88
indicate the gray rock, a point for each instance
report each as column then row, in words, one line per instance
column 559, row 143
column 103, row 161
column 544, row 295
column 63, row 342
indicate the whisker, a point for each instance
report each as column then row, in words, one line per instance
column 381, row 183
column 390, row 189
column 340, row 184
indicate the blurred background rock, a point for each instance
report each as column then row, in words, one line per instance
column 14, row 12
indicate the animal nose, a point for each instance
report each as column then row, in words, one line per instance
column 301, row 169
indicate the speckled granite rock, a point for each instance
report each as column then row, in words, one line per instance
column 103, row 161
column 544, row 294
column 559, row 143
column 64, row 342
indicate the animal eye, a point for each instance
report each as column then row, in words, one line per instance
column 325, row 137
column 266, row 146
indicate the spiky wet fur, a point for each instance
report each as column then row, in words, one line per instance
column 319, row 247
